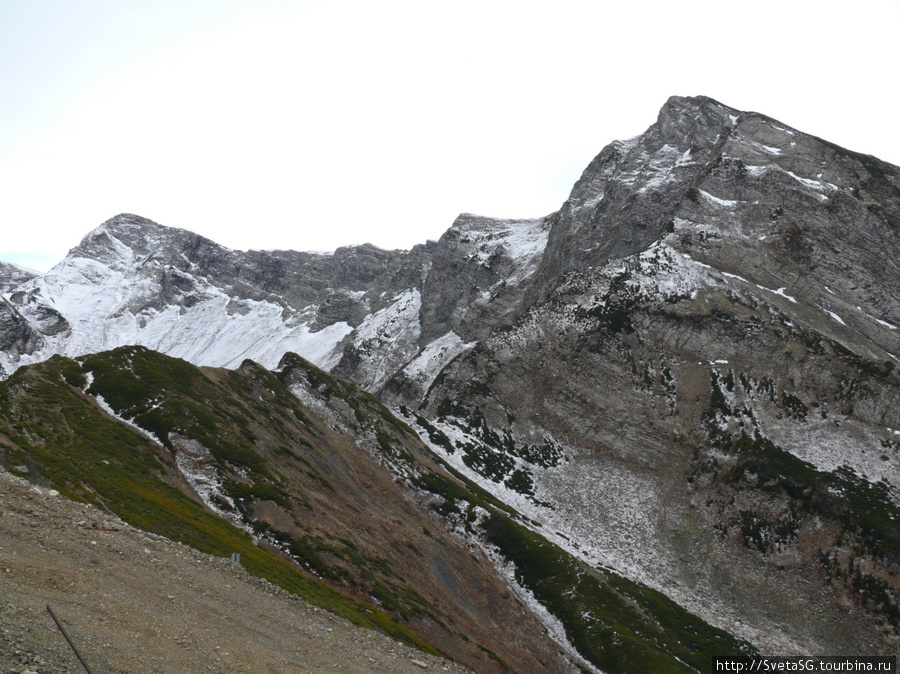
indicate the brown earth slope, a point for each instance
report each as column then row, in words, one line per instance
column 136, row 602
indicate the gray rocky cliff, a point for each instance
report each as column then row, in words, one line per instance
column 478, row 275
column 704, row 388
column 473, row 280
column 47, row 320
column 23, row 318
column 16, row 334
column 627, row 196
column 12, row 275
column 744, row 191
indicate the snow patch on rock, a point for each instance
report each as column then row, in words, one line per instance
column 426, row 366
column 108, row 304
column 197, row 466
column 387, row 339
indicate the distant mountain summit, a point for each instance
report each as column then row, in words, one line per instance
column 133, row 281
column 687, row 374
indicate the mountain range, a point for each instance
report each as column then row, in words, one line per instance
column 665, row 418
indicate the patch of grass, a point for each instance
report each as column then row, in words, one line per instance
column 261, row 491
column 618, row 625
column 167, row 396
column 436, row 436
column 493, row 656
column 718, row 404
column 768, row 534
column 72, row 374
column 796, row 409
column 391, row 448
column 520, row 481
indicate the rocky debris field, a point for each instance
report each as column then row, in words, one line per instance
column 134, row 602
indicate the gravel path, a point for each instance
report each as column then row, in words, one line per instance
column 136, row 602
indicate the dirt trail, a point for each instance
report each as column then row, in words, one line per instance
column 136, row 602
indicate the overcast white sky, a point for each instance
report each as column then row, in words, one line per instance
column 310, row 124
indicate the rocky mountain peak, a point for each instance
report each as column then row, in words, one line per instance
column 697, row 121
column 124, row 227
column 130, row 225
column 126, row 237
column 479, row 272
column 628, row 195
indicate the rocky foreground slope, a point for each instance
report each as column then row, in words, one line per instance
column 686, row 376
column 135, row 602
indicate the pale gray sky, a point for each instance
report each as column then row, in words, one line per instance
column 310, row 125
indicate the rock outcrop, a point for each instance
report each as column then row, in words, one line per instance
column 12, row 275
column 17, row 337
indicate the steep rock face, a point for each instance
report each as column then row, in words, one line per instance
column 787, row 210
column 626, row 197
column 47, row 320
column 745, row 191
column 12, row 275
column 707, row 396
column 475, row 281
column 17, row 337
column 478, row 274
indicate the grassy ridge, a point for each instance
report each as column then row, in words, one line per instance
column 166, row 395
column 66, row 441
